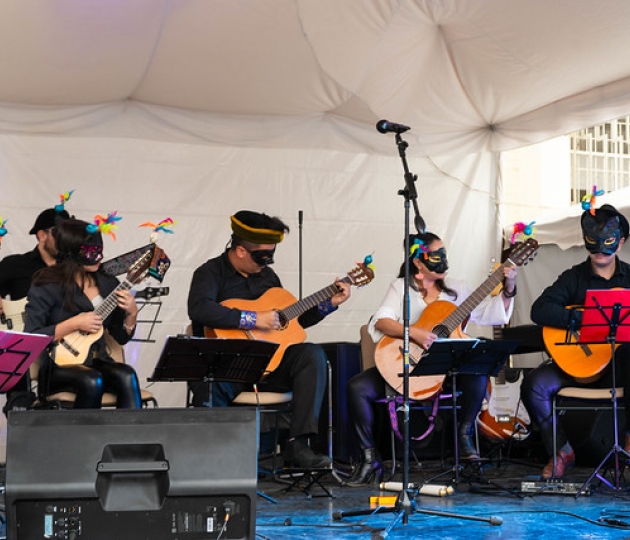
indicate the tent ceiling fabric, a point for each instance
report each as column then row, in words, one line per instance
column 468, row 76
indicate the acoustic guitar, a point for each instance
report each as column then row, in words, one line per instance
column 74, row 347
column 580, row 360
column 444, row 319
column 289, row 310
column 13, row 315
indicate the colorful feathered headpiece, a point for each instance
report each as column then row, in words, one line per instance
column 3, row 227
column 588, row 201
column 525, row 229
column 64, row 198
column 164, row 226
column 105, row 225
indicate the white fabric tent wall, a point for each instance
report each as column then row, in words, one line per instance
column 350, row 204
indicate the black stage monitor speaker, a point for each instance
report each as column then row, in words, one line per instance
column 132, row 474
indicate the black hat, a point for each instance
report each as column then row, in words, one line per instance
column 48, row 218
column 605, row 212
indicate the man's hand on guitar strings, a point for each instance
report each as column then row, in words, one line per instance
column 342, row 295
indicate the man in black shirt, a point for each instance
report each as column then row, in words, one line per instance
column 243, row 272
column 16, row 271
column 604, row 231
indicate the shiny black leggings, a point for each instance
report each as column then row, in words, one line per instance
column 366, row 388
column 90, row 383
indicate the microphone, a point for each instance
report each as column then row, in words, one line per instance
column 389, row 127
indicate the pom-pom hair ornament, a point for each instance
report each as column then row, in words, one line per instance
column 104, row 224
column 525, row 229
column 588, row 201
column 64, row 197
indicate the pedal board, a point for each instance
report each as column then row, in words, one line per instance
column 554, row 487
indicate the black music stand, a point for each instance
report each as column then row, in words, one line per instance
column 18, row 351
column 609, row 318
column 453, row 357
column 189, row 358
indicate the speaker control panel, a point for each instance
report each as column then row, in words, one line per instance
column 225, row 517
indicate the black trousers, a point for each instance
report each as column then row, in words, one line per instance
column 366, row 388
column 302, row 371
column 545, row 381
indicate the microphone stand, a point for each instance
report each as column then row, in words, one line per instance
column 300, row 220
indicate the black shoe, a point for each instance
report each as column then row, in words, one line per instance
column 298, row 454
column 368, row 470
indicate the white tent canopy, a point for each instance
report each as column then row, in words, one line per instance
column 468, row 76
column 195, row 109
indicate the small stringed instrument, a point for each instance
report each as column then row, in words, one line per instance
column 74, row 347
column 444, row 319
column 289, row 309
column 13, row 315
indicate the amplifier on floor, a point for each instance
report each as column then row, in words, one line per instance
column 130, row 474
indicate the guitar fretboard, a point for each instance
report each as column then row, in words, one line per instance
column 299, row 307
column 459, row 315
column 109, row 304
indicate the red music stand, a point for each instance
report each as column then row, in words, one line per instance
column 18, row 351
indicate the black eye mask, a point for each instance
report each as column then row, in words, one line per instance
column 90, row 254
column 601, row 238
column 435, row 261
column 263, row 257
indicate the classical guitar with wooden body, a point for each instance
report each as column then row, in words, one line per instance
column 444, row 319
column 74, row 347
column 289, row 309
column 580, row 360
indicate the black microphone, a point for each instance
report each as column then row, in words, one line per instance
column 389, row 127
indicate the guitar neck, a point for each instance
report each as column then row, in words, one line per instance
column 109, row 304
column 295, row 310
column 459, row 315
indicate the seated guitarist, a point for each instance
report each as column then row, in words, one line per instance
column 429, row 283
column 16, row 273
column 604, row 231
column 243, row 272
column 62, row 302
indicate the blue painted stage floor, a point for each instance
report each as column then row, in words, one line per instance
column 486, row 504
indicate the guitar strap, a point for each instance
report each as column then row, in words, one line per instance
column 393, row 404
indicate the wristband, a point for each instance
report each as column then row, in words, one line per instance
column 248, row 320
column 509, row 294
column 326, row 307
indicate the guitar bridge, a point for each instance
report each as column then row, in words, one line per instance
column 69, row 347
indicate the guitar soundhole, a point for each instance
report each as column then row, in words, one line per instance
column 441, row 331
column 284, row 321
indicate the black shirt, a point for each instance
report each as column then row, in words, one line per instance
column 217, row 280
column 16, row 273
column 570, row 290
